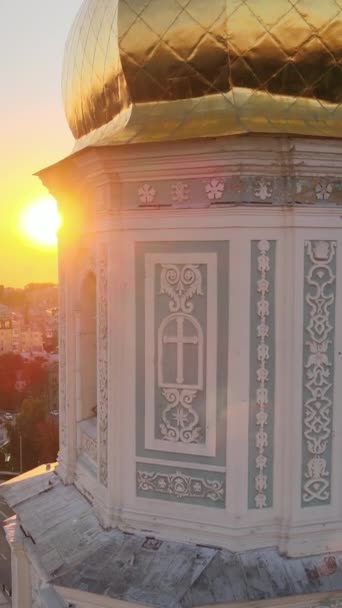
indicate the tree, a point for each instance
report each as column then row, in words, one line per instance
column 37, row 374
column 35, row 435
column 10, row 364
column 48, row 440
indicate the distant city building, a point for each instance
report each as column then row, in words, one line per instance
column 14, row 339
column 6, row 335
column 31, row 341
column 29, row 319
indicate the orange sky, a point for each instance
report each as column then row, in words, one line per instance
column 34, row 132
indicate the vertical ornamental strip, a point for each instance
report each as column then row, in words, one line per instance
column 62, row 357
column 102, row 269
column 262, row 371
column 318, row 373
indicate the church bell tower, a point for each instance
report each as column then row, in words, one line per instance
column 199, row 275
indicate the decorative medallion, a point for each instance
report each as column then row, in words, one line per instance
column 215, row 189
column 147, row 194
column 323, row 191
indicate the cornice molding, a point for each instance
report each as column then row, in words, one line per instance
column 256, row 170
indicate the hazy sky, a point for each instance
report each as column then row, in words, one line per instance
column 33, row 130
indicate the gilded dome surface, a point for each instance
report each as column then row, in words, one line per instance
column 156, row 70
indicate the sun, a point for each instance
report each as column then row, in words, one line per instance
column 40, row 221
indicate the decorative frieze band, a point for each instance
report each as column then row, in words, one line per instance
column 318, row 370
column 262, row 370
column 238, row 189
column 181, row 485
column 102, row 411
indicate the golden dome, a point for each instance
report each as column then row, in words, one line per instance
column 160, row 70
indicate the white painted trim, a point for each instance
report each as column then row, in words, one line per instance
column 251, row 155
column 284, row 463
column 91, row 600
column 129, row 380
column 295, row 406
column 151, row 221
column 281, row 292
column 182, row 464
column 293, row 601
column 238, row 370
column 193, row 524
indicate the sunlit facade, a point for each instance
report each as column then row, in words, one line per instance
column 199, row 316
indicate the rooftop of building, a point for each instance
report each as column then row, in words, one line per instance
column 67, row 543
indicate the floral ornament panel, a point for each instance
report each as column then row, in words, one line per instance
column 181, row 344
column 184, row 486
column 318, row 371
column 182, row 297
column 262, row 374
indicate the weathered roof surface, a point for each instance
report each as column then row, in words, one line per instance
column 19, row 489
column 181, row 576
column 71, row 547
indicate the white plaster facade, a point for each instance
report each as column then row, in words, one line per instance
column 118, row 205
column 113, row 222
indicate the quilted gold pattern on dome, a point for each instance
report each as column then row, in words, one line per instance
column 155, row 70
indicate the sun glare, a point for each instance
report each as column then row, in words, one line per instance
column 40, row 222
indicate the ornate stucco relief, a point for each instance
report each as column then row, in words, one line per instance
column 102, row 411
column 180, row 420
column 89, row 447
column 147, row 194
column 181, row 358
column 181, row 485
column 318, row 373
column 262, row 374
column 180, row 192
column 180, row 384
column 239, row 189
